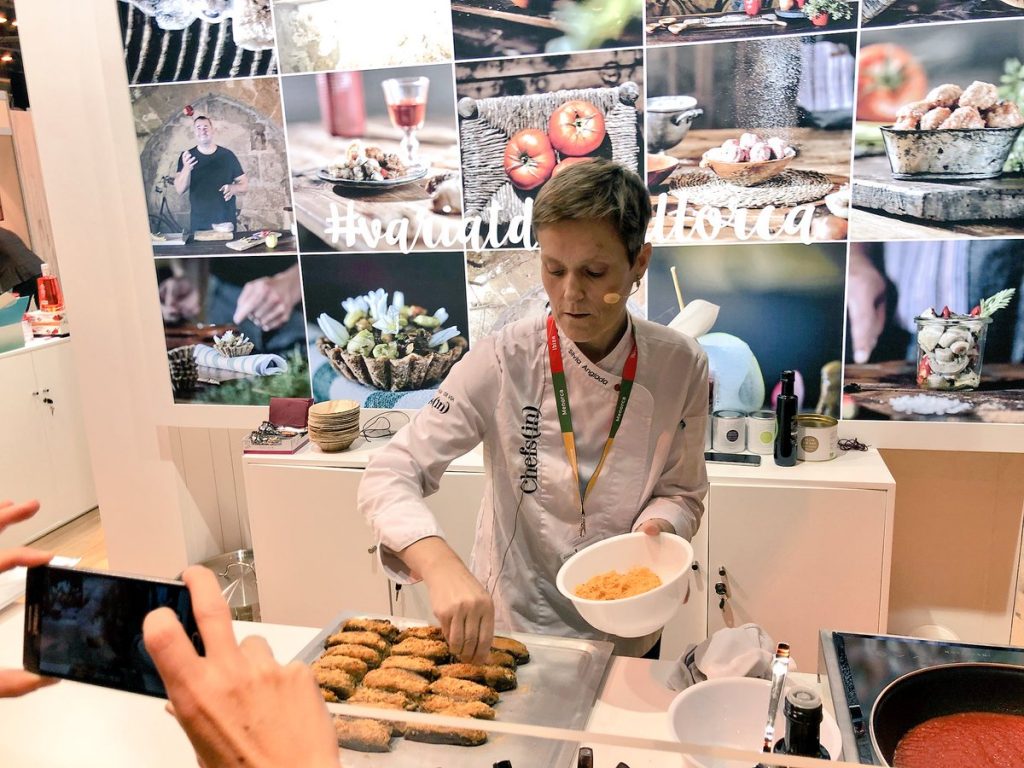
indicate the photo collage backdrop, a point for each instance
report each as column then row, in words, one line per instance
column 339, row 200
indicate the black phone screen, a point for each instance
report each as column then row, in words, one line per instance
column 87, row 626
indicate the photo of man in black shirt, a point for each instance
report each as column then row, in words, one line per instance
column 212, row 176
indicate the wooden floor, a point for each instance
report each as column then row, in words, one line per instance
column 82, row 537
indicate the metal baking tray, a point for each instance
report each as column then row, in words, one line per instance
column 557, row 688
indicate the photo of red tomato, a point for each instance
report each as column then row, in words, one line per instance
column 576, row 128
column 529, row 158
column 889, row 77
column 566, row 162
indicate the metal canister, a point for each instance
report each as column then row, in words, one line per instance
column 817, row 437
column 730, row 434
column 761, row 428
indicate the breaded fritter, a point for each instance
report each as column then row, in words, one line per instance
column 518, row 651
column 375, row 697
column 341, row 684
column 436, row 650
column 329, row 696
column 423, row 633
column 934, row 118
column 464, row 690
column 382, row 627
column 421, row 666
column 498, row 678
column 362, row 735
column 445, row 705
column 363, row 653
column 369, row 639
column 436, row 734
column 354, row 667
column 501, row 659
column 399, row 680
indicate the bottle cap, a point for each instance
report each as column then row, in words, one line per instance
column 788, row 376
column 803, row 703
column 46, row 269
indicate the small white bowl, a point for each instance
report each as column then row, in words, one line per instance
column 731, row 712
column 667, row 555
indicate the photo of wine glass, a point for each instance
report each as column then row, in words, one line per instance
column 406, row 99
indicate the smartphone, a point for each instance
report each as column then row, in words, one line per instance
column 733, row 458
column 87, row 626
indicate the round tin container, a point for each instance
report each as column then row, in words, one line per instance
column 761, row 429
column 817, row 437
column 730, row 435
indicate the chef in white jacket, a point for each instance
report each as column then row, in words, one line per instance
column 641, row 471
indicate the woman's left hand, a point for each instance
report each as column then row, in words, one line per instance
column 656, row 525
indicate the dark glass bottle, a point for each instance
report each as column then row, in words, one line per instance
column 785, row 412
column 803, row 725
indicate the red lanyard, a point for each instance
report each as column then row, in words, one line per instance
column 565, row 414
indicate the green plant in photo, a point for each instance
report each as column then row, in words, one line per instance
column 837, row 10
column 1011, row 88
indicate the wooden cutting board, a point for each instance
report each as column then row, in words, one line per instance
column 983, row 199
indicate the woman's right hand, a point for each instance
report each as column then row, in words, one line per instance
column 460, row 603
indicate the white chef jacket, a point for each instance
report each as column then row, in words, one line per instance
column 501, row 393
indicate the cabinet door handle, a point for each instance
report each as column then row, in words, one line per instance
column 371, row 550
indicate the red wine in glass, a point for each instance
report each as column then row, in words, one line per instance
column 406, row 98
column 408, row 113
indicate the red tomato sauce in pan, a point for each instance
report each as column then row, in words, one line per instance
column 975, row 739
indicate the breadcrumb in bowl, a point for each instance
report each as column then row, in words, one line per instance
column 614, row 585
column 666, row 556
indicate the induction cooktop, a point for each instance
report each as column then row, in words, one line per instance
column 860, row 666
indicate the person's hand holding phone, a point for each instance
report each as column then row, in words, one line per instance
column 237, row 705
column 18, row 682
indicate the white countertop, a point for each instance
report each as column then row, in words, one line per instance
column 35, row 344
column 862, row 469
column 78, row 726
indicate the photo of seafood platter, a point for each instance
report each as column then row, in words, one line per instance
column 374, row 152
column 939, row 153
column 774, row 143
column 402, row 664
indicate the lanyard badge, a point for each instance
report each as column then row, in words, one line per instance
column 565, row 413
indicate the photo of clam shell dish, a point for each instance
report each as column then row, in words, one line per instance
column 523, row 121
column 939, row 149
column 935, row 331
column 750, row 140
column 384, row 330
column 374, row 150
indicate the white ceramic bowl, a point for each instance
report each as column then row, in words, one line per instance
column 730, row 712
column 667, row 555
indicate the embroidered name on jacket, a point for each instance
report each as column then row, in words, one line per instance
column 530, row 430
column 585, row 367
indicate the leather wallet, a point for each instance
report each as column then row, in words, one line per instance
column 290, row 411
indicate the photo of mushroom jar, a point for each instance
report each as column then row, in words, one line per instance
column 950, row 350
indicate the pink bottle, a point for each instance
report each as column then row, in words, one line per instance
column 342, row 109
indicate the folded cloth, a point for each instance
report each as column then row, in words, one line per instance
column 744, row 651
column 261, row 365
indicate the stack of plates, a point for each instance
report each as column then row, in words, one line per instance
column 334, row 424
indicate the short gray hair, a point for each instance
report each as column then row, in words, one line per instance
column 598, row 189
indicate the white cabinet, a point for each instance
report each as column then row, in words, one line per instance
column 315, row 555
column 796, row 560
column 802, row 548
column 43, row 449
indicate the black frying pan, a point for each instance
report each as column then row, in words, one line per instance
column 942, row 690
